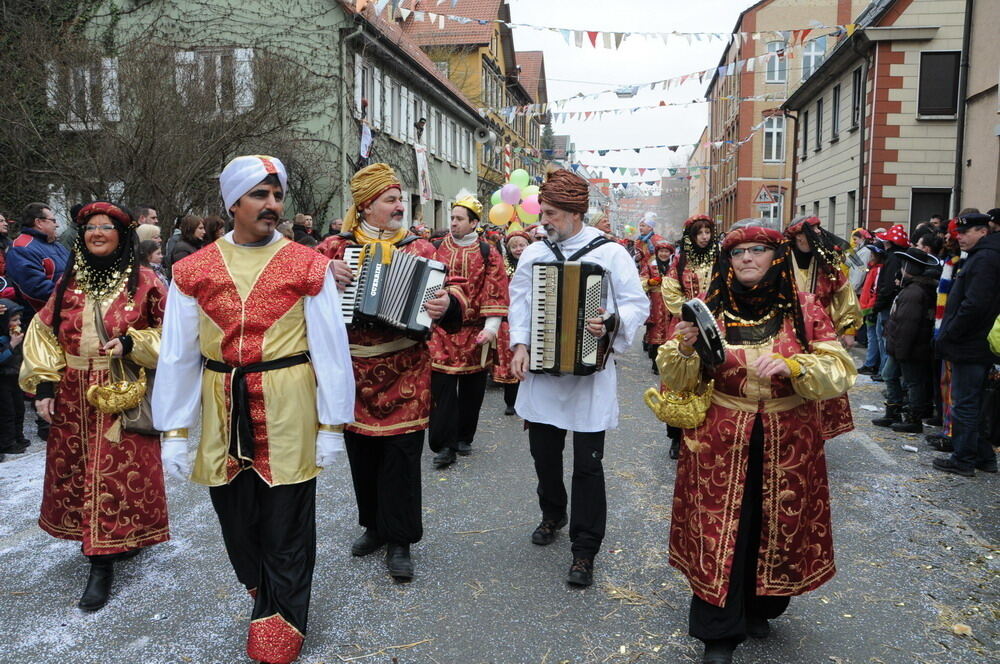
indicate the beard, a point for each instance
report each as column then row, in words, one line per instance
column 395, row 223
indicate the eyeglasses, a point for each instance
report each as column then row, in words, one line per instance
column 107, row 228
column 758, row 250
column 52, row 219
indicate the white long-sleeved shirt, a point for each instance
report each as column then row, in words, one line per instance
column 176, row 397
column 577, row 403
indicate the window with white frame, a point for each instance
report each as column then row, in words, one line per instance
column 857, row 90
column 774, row 138
column 812, row 56
column 220, row 78
column 439, row 135
column 776, row 65
column 87, row 93
column 937, row 93
column 395, row 120
column 835, row 114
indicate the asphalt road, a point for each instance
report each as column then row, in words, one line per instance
column 917, row 554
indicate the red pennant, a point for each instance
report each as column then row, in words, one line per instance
column 593, row 38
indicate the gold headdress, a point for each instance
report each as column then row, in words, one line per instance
column 472, row 204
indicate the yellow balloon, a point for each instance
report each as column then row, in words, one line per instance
column 501, row 213
column 525, row 216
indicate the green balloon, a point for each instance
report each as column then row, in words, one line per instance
column 495, row 198
column 520, row 177
column 530, row 190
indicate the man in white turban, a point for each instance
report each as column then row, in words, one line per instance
column 245, row 317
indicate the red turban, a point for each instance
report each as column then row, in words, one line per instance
column 566, row 191
column 798, row 225
column 767, row 236
column 698, row 217
column 117, row 213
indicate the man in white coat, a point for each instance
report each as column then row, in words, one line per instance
column 585, row 405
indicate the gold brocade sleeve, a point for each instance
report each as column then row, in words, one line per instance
column 672, row 294
column 44, row 359
column 828, row 371
column 845, row 310
column 677, row 371
column 145, row 346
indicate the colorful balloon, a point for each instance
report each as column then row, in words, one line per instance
column 495, row 198
column 530, row 205
column 530, row 190
column 510, row 194
column 501, row 213
column 520, row 177
column 525, row 216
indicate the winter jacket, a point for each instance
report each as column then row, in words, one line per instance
column 892, row 271
column 34, row 265
column 856, row 274
column 10, row 358
column 910, row 330
column 866, row 298
column 973, row 305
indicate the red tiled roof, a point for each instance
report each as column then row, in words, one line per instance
column 395, row 33
column 532, row 76
column 425, row 33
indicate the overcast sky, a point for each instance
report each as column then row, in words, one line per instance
column 570, row 70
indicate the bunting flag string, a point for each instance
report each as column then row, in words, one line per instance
column 562, row 116
column 605, row 39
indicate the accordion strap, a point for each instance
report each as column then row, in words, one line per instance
column 586, row 249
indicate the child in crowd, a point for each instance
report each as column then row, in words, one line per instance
column 12, row 440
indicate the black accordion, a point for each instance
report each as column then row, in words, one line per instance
column 391, row 290
column 563, row 296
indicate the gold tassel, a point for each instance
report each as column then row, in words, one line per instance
column 114, row 433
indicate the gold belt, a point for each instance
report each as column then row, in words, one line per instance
column 776, row 405
column 80, row 363
column 393, row 346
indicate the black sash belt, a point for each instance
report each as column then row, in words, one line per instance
column 240, row 424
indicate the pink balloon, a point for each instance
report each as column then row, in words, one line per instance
column 510, row 194
column 531, row 205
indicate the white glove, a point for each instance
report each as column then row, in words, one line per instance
column 329, row 448
column 174, row 453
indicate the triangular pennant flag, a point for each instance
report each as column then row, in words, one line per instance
column 380, row 5
column 405, row 13
column 850, row 28
column 619, row 37
column 592, row 34
column 578, row 38
column 566, row 36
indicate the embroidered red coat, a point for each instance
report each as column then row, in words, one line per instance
column 393, row 389
column 658, row 323
column 486, row 290
column 796, row 543
column 103, row 486
column 835, row 295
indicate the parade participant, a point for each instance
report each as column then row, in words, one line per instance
column 460, row 362
column 552, row 405
column 645, row 244
column 103, row 484
column 818, row 266
column 688, row 278
column 758, row 449
column 393, row 376
column 651, row 273
column 515, row 243
column 253, row 329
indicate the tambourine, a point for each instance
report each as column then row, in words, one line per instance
column 710, row 345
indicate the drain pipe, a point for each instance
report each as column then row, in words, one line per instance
column 963, row 90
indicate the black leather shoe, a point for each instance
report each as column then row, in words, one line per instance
column 939, row 442
column 947, row 465
column 509, row 410
column 545, row 533
column 444, row 458
column 98, row 589
column 397, row 561
column 463, row 448
column 867, row 371
column 675, row 448
column 758, row 627
column 718, row 652
column 987, row 466
column 368, row 543
column 581, row 572
column 934, row 421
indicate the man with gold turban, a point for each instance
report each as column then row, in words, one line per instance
column 255, row 350
column 460, row 361
column 585, row 405
column 393, row 377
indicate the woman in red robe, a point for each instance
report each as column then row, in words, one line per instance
column 651, row 273
column 103, row 485
column 515, row 243
column 751, row 510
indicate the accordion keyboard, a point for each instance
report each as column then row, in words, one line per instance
column 545, row 311
column 350, row 295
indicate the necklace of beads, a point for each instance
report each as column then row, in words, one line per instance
column 100, row 284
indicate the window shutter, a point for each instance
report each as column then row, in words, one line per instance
column 359, row 72
column 109, row 89
column 375, row 105
column 183, row 70
column 406, row 131
column 243, row 74
column 51, row 85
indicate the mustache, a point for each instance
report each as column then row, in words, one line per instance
column 397, row 215
column 268, row 214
